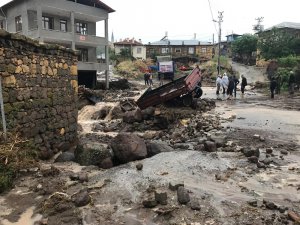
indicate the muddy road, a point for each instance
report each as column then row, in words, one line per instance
column 250, row 177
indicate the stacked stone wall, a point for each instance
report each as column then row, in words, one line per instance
column 39, row 88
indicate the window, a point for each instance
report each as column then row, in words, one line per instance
column 47, row 23
column 191, row 50
column 63, row 25
column 177, row 50
column 83, row 57
column 1, row 24
column 165, row 50
column 81, row 28
column 203, row 50
column 18, row 21
column 139, row 50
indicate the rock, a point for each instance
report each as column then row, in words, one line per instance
column 49, row 171
column 269, row 150
column 156, row 147
column 260, row 165
column 183, row 196
column 269, row 205
column 139, row 166
column 81, row 198
column 175, row 185
column 267, row 161
column 251, row 152
column 253, row 203
column 148, row 113
column 283, row 152
column 149, row 203
column 133, row 116
column 200, row 147
column 161, row 197
column 210, row 146
column 83, row 177
column 195, row 205
column 219, row 140
column 253, row 159
column 94, row 153
column 65, row 157
column 161, row 122
column 128, row 147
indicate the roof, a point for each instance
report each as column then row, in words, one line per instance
column 179, row 42
column 233, row 35
column 291, row 25
column 128, row 41
column 98, row 3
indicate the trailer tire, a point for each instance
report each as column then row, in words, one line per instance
column 187, row 100
column 198, row 92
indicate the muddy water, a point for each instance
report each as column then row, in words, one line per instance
column 27, row 218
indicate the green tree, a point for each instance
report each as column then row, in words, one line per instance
column 244, row 46
column 125, row 53
column 277, row 43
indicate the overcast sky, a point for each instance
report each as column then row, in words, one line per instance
column 149, row 20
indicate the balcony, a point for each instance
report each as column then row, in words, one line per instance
column 90, row 40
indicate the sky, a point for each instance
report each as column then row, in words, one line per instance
column 150, row 20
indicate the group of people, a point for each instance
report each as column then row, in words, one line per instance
column 148, row 77
column 228, row 85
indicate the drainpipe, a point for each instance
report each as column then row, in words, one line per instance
column 106, row 56
column 2, row 111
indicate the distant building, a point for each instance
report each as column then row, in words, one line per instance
column 70, row 23
column 290, row 28
column 180, row 48
column 229, row 39
column 136, row 48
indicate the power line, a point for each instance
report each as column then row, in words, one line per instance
column 212, row 16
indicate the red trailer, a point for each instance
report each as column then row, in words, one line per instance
column 183, row 89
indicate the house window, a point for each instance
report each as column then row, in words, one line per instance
column 63, row 25
column 165, row 50
column 81, row 28
column 191, row 50
column 178, row 50
column 138, row 50
column 47, row 23
column 83, row 57
column 203, row 50
column 18, row 21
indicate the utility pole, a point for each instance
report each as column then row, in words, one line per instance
column 258, row 27
column 219, row 44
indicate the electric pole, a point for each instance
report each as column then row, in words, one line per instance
column 219, row 44
column 258, row 27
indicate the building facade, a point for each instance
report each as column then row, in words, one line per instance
column 136, row 48
column 70, row 23
column 180, row 48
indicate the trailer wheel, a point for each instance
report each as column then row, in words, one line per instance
column 198, row 92
column 187, row 100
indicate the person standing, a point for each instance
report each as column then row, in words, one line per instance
column 230, row 87
column 273, row 85
column 150, row 79
column 146, row 78
column 291, row 82
column 236, row 82
column 218, row 84
column 243, row 84
column 160, row 78
column 225, row 83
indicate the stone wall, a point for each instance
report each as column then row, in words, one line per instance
column 40, row 86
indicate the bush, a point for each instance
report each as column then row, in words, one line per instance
column 15, row 154
column 289, row 61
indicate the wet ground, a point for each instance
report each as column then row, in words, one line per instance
column 229, row 189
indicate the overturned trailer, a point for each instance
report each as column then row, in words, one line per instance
column 183, row 89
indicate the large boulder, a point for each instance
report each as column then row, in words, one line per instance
column 94, row 153
column 128, row 147
column 133, row 116
column 156, row 147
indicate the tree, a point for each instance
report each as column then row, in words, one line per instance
column 277, row 43
column 244, row 46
